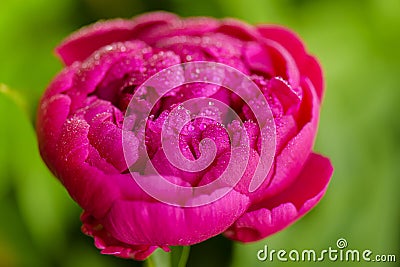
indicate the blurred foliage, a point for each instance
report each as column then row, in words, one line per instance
column 357, row 43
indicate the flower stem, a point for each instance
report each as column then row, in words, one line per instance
column 178, row 257
column 159, row 258
column 149, row 262
column 184, row 256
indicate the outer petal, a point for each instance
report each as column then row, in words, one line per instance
column 278, row 212
column 287, row 39
column 111, row 246
column 238, row 29
column 313, row 70
column 93, row 190
column 141, row 223
column 84, row 42
column 308, row 65
column 53, row 110
column 289, row 161
column 195, row 26
column 62, row 82
column 52, row 114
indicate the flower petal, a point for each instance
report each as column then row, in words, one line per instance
column 289, row 40
column 109, row 245
column 307, row 64
column 313, row 70
column 81, row 44
column 276, row 213
column 51, row 117
column 238, row 29
column 289, row 162
column 136, row 222
column 196, row 26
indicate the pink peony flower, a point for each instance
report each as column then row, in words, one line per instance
column 105, row 154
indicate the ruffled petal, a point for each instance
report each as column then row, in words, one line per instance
column 276, row 213
column 111, row 246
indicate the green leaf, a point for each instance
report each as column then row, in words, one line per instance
column 42, row 203
column 15, row 96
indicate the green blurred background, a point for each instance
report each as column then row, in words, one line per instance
column 358, row 45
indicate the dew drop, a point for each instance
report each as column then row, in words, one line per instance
column 108, row 48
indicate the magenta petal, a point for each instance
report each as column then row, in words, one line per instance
column 238, row 29
column 219, row 136
column 276, row 213
column 196, row 26
column 62, row 82
column 89, row 186
column 94, row 159
column 314, row 72
column 258, row 58
column 51, row 117
column 160, row 163
column 284, row 64
column 84, row 42
column 106, row 137
column 286, row 129
column 73, row 145
column 93, row 70
column 289, row 98
column 92, row 189
column 109, row 245
column 307, row 64
column 135, row 222
column 133, row 252
column 287, row 39
column 293, row 156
